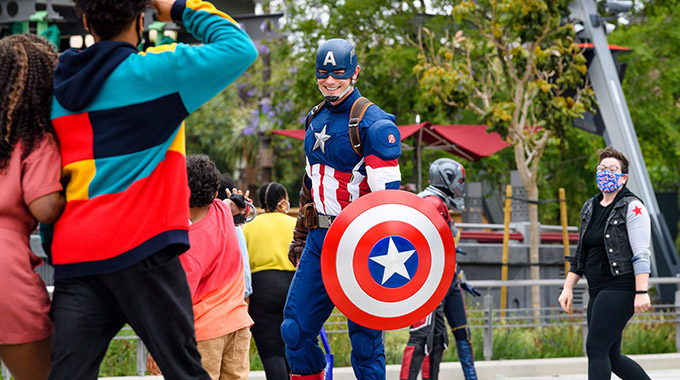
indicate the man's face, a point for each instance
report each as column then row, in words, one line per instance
column 331, row 86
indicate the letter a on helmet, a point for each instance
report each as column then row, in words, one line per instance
column 330, row 59
column 336, row 54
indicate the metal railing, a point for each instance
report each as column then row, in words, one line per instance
column 495, row 318
column 489, row 318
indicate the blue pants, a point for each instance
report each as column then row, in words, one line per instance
column 308, row 307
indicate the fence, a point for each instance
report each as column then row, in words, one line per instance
column 490, row 318
column 494, row 318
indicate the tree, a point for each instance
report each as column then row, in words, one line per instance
column 521, row 71
column 652, row 86
column 219, row 129
column 278, row 91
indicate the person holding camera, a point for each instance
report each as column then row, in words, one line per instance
column 118, row 114
column 214, row 268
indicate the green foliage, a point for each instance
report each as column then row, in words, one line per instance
column 385, row 34
column 652, row 86
column 121, row 357
column 377, row 30
column 219, row 129
column 569, row 164
column 521, row 70
column 654, row 336
column 255, row 361
column 649, row 334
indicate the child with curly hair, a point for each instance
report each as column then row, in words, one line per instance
column 214, row 268
column 31, row 192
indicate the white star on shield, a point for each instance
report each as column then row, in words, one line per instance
column 394, row 262
column 321, row 138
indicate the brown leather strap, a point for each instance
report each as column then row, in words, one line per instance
column 311, row 218
column 355, row 115
column 317, row 108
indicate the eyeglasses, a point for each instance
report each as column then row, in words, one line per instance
column 612, row 168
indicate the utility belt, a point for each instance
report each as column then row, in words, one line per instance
column 312, row 219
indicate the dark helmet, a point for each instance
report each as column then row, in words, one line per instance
column 447, row 181
column 336, row 54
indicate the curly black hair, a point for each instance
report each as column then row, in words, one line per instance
column 27, row 64
column 271, row 194
column 204, row 179
column 108, row 18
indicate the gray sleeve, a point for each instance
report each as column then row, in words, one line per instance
column 639, row 236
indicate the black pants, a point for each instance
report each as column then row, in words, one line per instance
column 270, row 288
column 152, row 296
column 425, row 348
column 454, row 309
column 608, row 312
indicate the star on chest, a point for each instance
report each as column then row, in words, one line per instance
column 321, row 138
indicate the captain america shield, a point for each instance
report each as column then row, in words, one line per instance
column 388, row 260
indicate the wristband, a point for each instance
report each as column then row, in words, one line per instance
column 640, row 292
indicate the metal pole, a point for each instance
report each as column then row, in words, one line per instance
column 141, row 357
column 488, row 329
column 677, row 321
column 419, row 160
column 506, row 242
column 565, row 234
column 5, row 372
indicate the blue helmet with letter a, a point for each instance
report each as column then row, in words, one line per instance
column 336, row 54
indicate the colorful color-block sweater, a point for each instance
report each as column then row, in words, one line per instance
column 119, row 117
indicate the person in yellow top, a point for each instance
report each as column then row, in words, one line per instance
column 268, row 237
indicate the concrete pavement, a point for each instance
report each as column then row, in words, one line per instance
column 658, row 366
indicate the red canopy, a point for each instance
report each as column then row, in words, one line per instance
column 471, row 142
column 294, row 133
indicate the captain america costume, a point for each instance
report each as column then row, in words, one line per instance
column 336, row 176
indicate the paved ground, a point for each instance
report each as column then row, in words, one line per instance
column 658, row 366
column 655, row 375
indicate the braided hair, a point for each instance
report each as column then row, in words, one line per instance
column 108, row 18
column 27, row 64
column 271, row 194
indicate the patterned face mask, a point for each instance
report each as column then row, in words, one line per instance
column 607, row 181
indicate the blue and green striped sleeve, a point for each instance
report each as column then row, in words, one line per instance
column 202, row 71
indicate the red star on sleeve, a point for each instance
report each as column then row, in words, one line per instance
column 637, row 210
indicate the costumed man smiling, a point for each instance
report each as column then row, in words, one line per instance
column 337, row 172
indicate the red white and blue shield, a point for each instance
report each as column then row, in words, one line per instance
column 388, row 260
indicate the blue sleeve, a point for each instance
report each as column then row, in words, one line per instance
column 383, row 140
column 246, row 262
column 382, row 148
column 202, row 71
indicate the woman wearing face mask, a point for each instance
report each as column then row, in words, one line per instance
column 613, row 253
column 268, row 237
